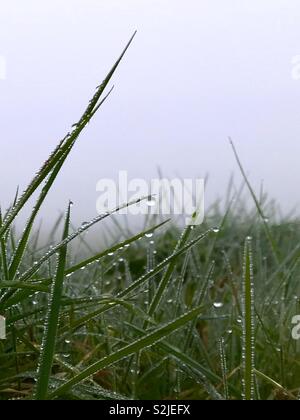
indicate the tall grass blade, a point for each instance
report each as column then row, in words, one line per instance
column 224, row 367
column 52, row 320
column 248, row 344
column 63, row 149
column 258, row 206
column 163, row 284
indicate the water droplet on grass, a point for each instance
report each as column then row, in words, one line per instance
column 151, row 202
column 149, row 235
column 218, row 305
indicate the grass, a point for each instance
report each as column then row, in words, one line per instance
column 200, row 314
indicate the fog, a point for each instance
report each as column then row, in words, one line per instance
column 197, row 72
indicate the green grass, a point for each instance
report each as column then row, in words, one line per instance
column 201, row 313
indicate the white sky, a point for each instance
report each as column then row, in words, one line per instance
column 198, row 72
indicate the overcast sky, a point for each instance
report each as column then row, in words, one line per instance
column 197, row 72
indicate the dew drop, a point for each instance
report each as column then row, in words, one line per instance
column 149, row 235
column 151, row 202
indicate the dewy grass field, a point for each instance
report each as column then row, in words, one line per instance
column 205, row 313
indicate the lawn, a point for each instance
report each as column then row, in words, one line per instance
column 171, row 312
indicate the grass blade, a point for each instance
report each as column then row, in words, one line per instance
column 168, row 274
column 113, row 249
column 63, row 149
column 148, row 340
column 51, row 324
column 248, row 346
column 258, row 206
column 224, row 367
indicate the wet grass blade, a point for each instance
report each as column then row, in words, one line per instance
column 199, row 301
column 64, row 147
column 224, row 367
column 138, row 345
column 170, row 350
column 3, row 259
column 276, row 385
column 113, row 249
column 163, row 284
column 17, row 258
column 21, row 286
column 258, row 206
column 52, row 320
column 248, row 345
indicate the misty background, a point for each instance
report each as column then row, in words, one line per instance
column 197, row 72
